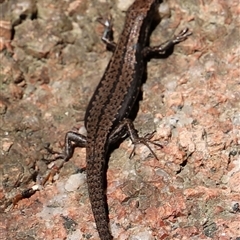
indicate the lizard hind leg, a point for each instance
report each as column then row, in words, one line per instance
column 73, row 140
column 127, row 127
column 145, row 140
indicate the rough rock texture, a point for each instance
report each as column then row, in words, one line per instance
column 52, row 58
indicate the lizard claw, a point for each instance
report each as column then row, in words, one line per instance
column 182, row 36
column 145, row 140
column 107, row 23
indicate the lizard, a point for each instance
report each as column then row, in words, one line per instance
column 107, row 115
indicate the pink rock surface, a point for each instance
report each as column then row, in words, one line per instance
column 191, row 99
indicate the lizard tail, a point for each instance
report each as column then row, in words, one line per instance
column 98, row 199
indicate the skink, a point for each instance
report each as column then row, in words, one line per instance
column 106, row 118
